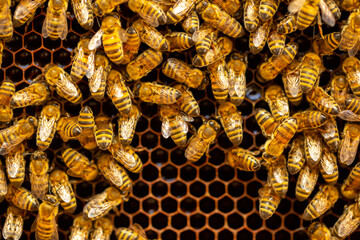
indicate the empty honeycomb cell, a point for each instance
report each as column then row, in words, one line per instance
column 197, row 221
column 245, row 108
column 109, row 108
column 216, row 189
column 224, row 141
column 188, row 173
column 235, row 221
column 300, row 235
column 156, row 124
column 168, row 234
column 274, row 222
column 253, row 188
column 207, row 173
column 254, row 221
column 101, row 186
column 216, row 221
column 169, row 173
column 217, row 156
column 15, row 74
column 159, row 221
column 32, row 41
column 284, row 206
column 263, row 235
column 135, row 143
column 62, row 58
column 226, row 173
column 178, row 157
column 141, row 219
column 132, row 205
column 329, row 219
column 159, row 156
column 247, row 141
column 64, row 221
column 299, row 207
column 188, row 235
column 84, row 189
column 282, row 235
column 7, row 59
column 206, row 235
column 197, row 189
column 167, row 143
column 148, row 109
column 150, row 205
column 244, row 234
column 339, row 206
column 169, row 205
column 31, row 73
column 75, row 26
column 151, row 234
column 51, row 44
column 150, row 173
column 260, row 139
column 178, row 189
column 235, row 189
column 324, row 79
column 207, row 108
column 42, row 57
column 252, row 125
column 178, row 221
column 142, row 125
column 159, row 189
column 242, row 44
column 225, row 234
column 331, row 62
column 141, row 189
column 207, row 205
column 71, row 41
column 15, row 44
column 188, row 205
column 292, row 221
column 198, row 94
column 245, row 205
column 121, row 220
column 262, row 174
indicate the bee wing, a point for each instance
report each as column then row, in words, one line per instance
column 98, row 208
column 64, row 24
column 95, row 41
column 281, row 103
column 222, row 80
column 293, row 82
column 182, row 122
column 13, row 227
column 113, row 174
column 79, row 54
column 186, row 117
column 24, row 8
column 232, row 123
column 328, row 164
column 14, row 165
column 127, row 127
column 44, row 30
column 295, row 5
column 150, row 19
column 37, row 188
column 66, row 85
column 165, row 128
column 353, row 51
column 349, row 115
column 91, row 64
column 126, row 157
column 348, row 149
column 259, row 36
column 96, row 79
column 320, row 202
column 326, row 14
column 64, row 192
column 55, row 235
column 237, row 84
column 251, row 10
column 137, row 228
column 7, row 146
column 45, row 128
column 81, row 10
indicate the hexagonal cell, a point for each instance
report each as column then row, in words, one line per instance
column 235, row 221
column 225, row 234
column 252, row 125
column 282, row 235
column 329, row 219
column 169, row 173
column 141, row 219
column 167, row 143
column 109, row 109
column 197, row 189
column 235, row 188
column 253, row 92
column 217, row 189
column 32, row 41
column 151, row 234
column 188, row 173
column 299, row 207
column 304, row 44
column 178, row 157
column 216, row 221
column 51, row 44
column 150, row 173
column 274, row 222
column 247, row 141
column 178, row 221
column 7, row 59
column 253, row 188
column 197, row 221
column 188, row 205
column 178, row 189
column 301, row 235
column 132, row 205
column 244, row 234
column 169, row 205
column 148, row 109
column 155, row 124
column 226, row 204
column 159, row 221
column 245, row 108
column 31, row 73
column 245, row 205
column 121, row 220
column 254, row 60
column 207, row 205
column 23, row 58
column 168, row 234
column 188, row 235
column 150, row 205
column 62, row 58
column 254, row 221
column 242, row 44
column 217, row 156
column 65, row 221
column 15, row 43
column 84, row 190
column 15, row 74
column 207, row 173
column 142, row 125
column 42, row 57
column 292, row 221
column 207, row 108
column 159, row 189
column 149, row 140
column 207, row 235
column 38, row 23
column 263, row 235
column 284, row 206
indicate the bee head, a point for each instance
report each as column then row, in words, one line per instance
column 201, row 6
column 38, row 155
column 51, row 200
column 136, row 89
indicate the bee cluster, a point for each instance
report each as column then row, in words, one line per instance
column 199, row 46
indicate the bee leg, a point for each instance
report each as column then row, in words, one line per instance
column 207, row 152
column 117, row 211
column 320, row 25
column 139, row 149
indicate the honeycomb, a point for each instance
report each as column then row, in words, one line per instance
column 172, row 198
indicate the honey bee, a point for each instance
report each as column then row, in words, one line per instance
column 103, row 132
column 352, row 104
column 268, row 202
column 306, row 181
column 231, row 121
column 204, row 38
column 278, row 176
column 22, row 198
column 39, row 177
column 296, row 157
column 174, row 124
column 118, row 92
column 291, row 81
column 339, row 89
column 280, row 138
column 13, row 226
column 143, row 64
column 68, row 129
column 273, row 66
column 251, row 15
column 191, row 23
column 349, row 5
column 3, row 182
column 184, row 73
column 319, row 231
column 229, row 6
column 278, row 102
column 351, row 67
column 15, row 165
column 276, row 42
column 150, row 36
column 348, row 222
column 131, row 46
column 219, row 19
column 149, row 11
column 267, row 9
column 100, row 204
column 219, row 80
column 310, row 119
column 84, row 13
column 49, row 117
column 326, row 45
column 187, row 103
column 83, row 61
column 103, row 228
column 313, row 147
column 236, row 69
column 179, row 41
column 113, row 172
column 179, row 11
column 349, row 143
column 323, row 101
column 127, row 125
column 103, row 7
column 242, row 159
column 25, row 11
column 135, row 232
column 62, row 189
column 60, row 80
column 258, row 37
column 156, row 93
column 55, row 24
column 351, row 185
column 266, row 122
column 310, row 70
column 12, row 136
column 112, row 36
column 80, row 229
column 200, row 142
column 350, row 34
column 126, row 156
column 97, row 81
column 330, row 133
column 33, row 95
column 328, row 166
column 288, row 24
column 45, row 223
column 6, row 25
column 7, row 90
column 87, row 123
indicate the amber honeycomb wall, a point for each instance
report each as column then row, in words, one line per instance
column 173, row 199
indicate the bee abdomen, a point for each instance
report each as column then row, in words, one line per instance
column 113, row 48
column 104, row 138
column 308, row 77
column 310, row 212
column 267, row 208
column 267, row 9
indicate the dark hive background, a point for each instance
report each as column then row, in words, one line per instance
column 173, row 199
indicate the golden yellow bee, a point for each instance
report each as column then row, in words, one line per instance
column 22, row 198
column 204, row 37
column 319, row 231
column 351, row 185
column 179, row 41
column 278, row 102
column 349, row 5
column 258, row 37
column 200, row 142
column 191, row 23
column 349, row 143
column 273, row 66
column 229, row 6
column 131, row 46
column 251, row 15
column 80, row 229
column 15, row 165
column 68, row 129
column 149, row 11
column 84, row 13
column 330, row 133
column 236, row 68
column 174, row 124
column 83, row 61
column 339, row 89
column 103, row 7
column 87, row 123
column 292, row 87
column 100, row 204
column 6, row 23
column 310, row 119
column 219, row 80
column 33, row 95
column 156, row 93
column 184, row 73
column 118, row 92
column 151, row 36
column 45, row 223
column 103, row 228
column 143, row 64
column 113, row 172
column 219, row 19
column 276, row 42
column 352, row 103
column 313, row 147
column 348, row 222
column 7, row 90
column 323, row 101
column 127, row 125
column 310, row 70
column 13, row 226
column 328, row 166
column 267, row 9
column 25, row 11
column 288, row 24
column 187, row 103
column 280, row 138
column 243, row 160
column 126, row 156
column 278, row 176
column 136, row 232
column 220, row 49
column 62, row 189
column 12, row 136
column 39, row 177
column 350, row 34
column 179, row 11
column 268, row 202
column 231, row 120
column 49, row 117
column 3, row 182
column 327, row 45
column 97, row 81
column 103, row 132
column 60, row 80
column 351, row 67
column 296, row 157
column 55, row 24
column 306, row 181
column 266, row 122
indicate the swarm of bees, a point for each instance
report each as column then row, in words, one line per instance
column 114, row 64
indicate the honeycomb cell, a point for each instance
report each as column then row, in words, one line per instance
column 274, row 222
column 252, row 125
column 188, row 205
column 226, row 173
column 23, row 58
column 132, row 205
column 7, row 59
column 244, row 234
column 159, row 156
column 150, row 205
column 245, row 108
column 84, row 190
column 254, row 60
column 225, row 234
column 207, row 173
column 156, row 124
column 167, row 143
column 188, row 173
column 178, row 221
column 247, row 141
column 168, row 234
column 207, row 108
column 299, row 207
column 263, row 235
column 304, row 44
column 51, row 44
column 206, row 235
column 253, row 92
column 148, row 109
column 142, row 125
column 282, row 235
column 169, row 173
column 62, row 58
column 150, row 173
column 121, row 220
column 188, row 235
column 207, row 205
column 178, row 157
column 159, row 221
column 235, row 189
column 284, row 206
column 42, row 57
column 141, row 219
column 216, row 221
column 32, row 41
column 178, row 189
column 301, row 235
column 159, row 189
column 216, row 189
column 197, row 189
column 292, row 221
column 197, row 221
column 71, row 43
column 151, row 234
column 169, row 205
column 217, row 156
column 235, row 221
column 254, row 221
column 15, row 74
column 329, row 219
column 15, row 44
column 65, row 221
column 31, row 73
column 260, row 139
